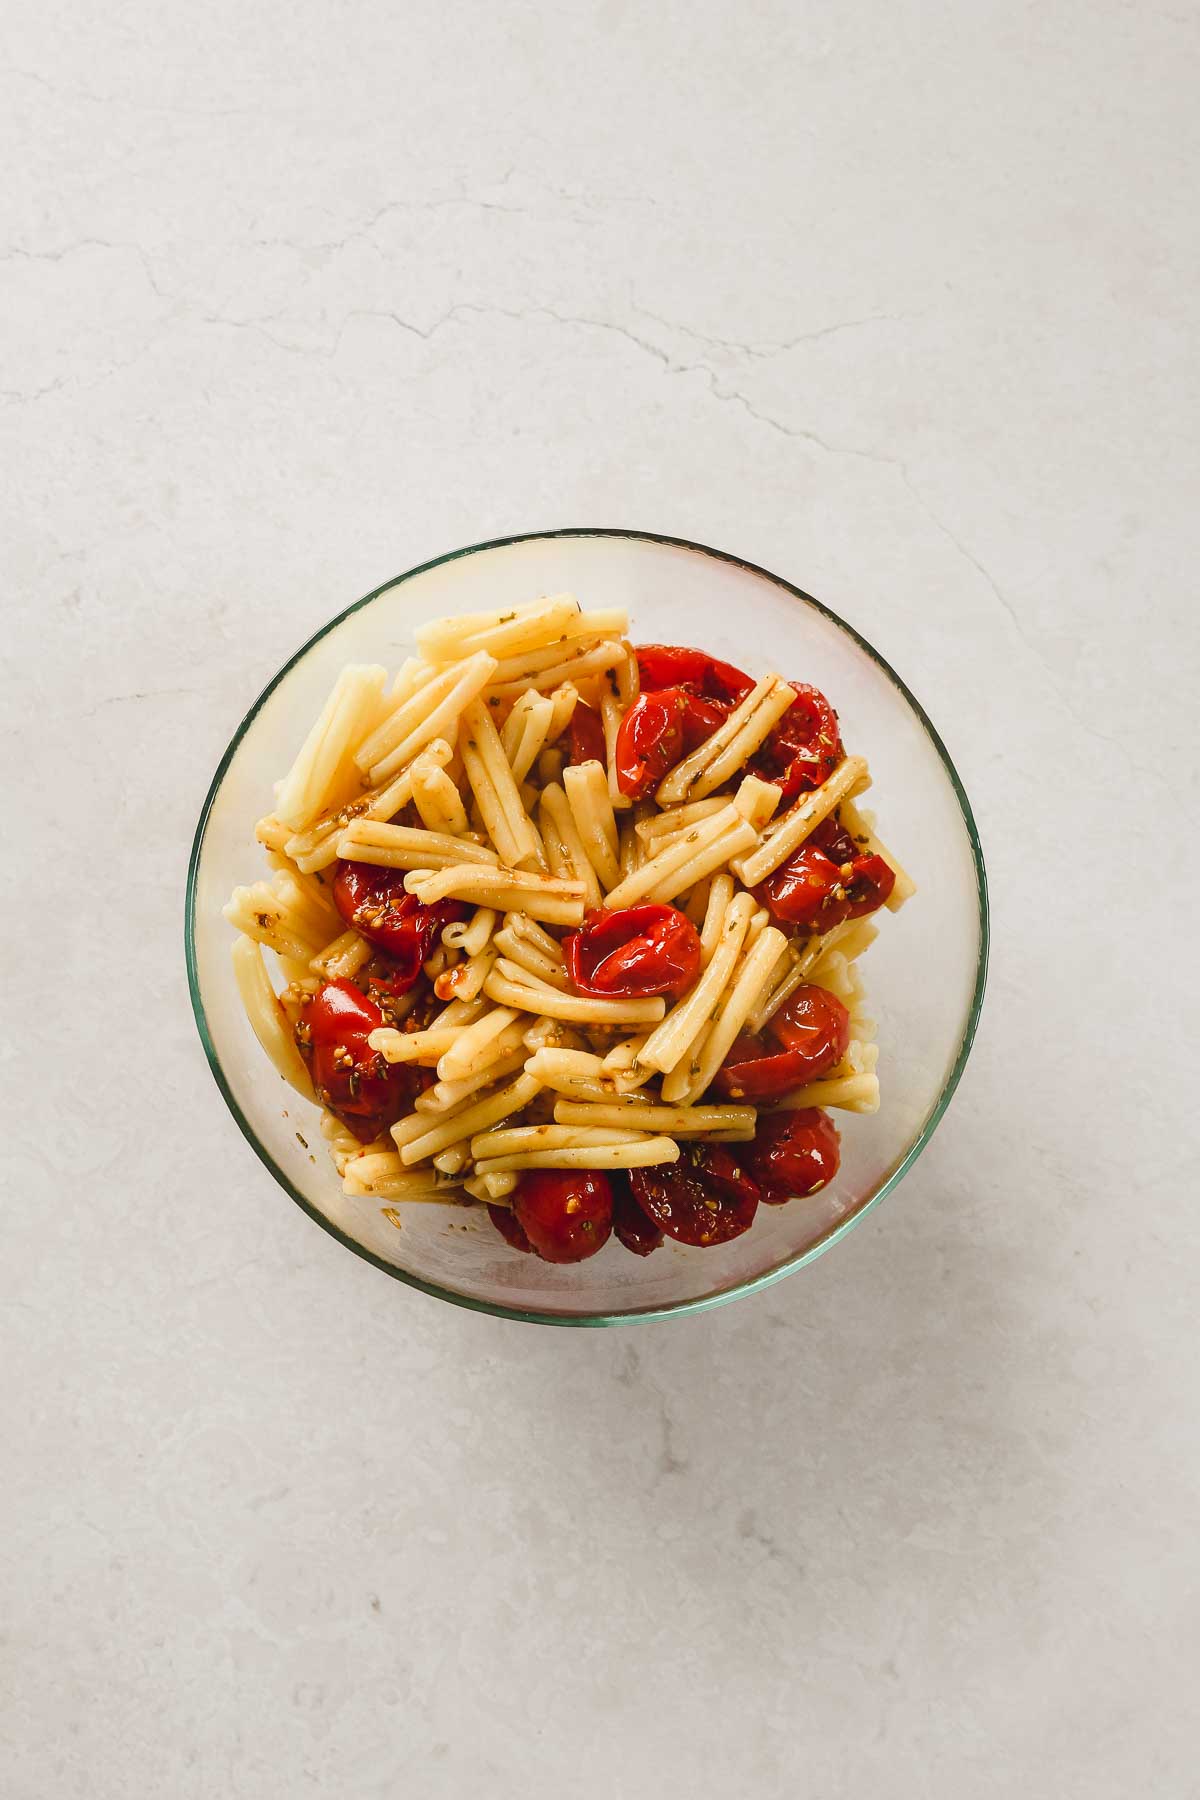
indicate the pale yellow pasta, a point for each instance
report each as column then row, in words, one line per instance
column 644, row 1153
column 343, row 958
column 587, row 659
column 436, row 797
column 272, row 833
column 662, row 866
column 495, row 1190
column 703, row 861
column 717, row 904
column 409, row 847
column 445, row 1095
column 442, row 721
column 757, row 800
column 465, row 1121
column 474, row 1047
column 672, row 1121
column 260, row 914
column 724, row 753
column 669, row 1045
column 380, row 1175
column 483, row 757
column 517, row 1140
column 472, row 934
column 316, row 848
column 784, row 836
column 430, row 1045
column 849, row 1093
column 465, row 980
column 564, row 847
column 658, row 828
column 612, row 711
column 586, row 788
column 312, row 782
column 582, row 1009
column 266, row 1016
column 542, row 897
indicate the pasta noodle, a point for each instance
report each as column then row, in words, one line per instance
column 458, row 1023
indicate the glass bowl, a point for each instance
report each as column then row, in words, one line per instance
column 924, row 975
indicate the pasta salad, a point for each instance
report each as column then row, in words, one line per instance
column 570, row 929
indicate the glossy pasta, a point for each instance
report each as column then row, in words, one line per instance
column 551, row 903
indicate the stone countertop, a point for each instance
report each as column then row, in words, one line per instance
column 899, row 301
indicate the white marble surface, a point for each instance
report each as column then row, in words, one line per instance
column 898, row 300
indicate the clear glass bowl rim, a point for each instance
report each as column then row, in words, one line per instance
column 677, row 1308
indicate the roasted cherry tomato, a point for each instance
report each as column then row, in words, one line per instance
column 805, row 746
column 815, row 1024
column 350, row 1078
column 814, row 1029
column 674, row 665
column 631, row 1225
column 805, row 890
column 585, row 735
column 870, row 885
column 636, row 951
column 509, row 1227
column 373, row 900
column 832, row 837
column 794, row 1154
column 649, row 741
column 724, row 1167
column 566, row 1214
column 681, row 1203
column 658, row 730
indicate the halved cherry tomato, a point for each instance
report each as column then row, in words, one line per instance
column 814, row 1028
column 815, row 1023
column 794, row 1154
column 675, row 665
column 636, row 951
column 649, row 741
column 585, row 735
column 805, row 890
column 724, row 1167
column 680, row 1202
column 510, row 1228
column 870, row 885
column 805, row 746
column 631, row 1225
column 565, row 1213
column 350, row 1078
column 660, row 728
column 373, row 900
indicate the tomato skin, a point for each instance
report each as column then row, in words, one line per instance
column 631, row 1225
column 814, row 1028
column 682, row 1204
column 675, row 665
column 585, row 735
column 373, row 900
column 869, row 887
column 816, row 1025
column 350, row 1078
column 660, row 728
column 794, row 1154
column 510, row 1228
column 566, row 1214
column 806, row 890
column 635, row 951
column 726, row 1168
column 649, row 741
column 805, row 747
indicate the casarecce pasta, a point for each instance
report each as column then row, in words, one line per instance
column 571, row 929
